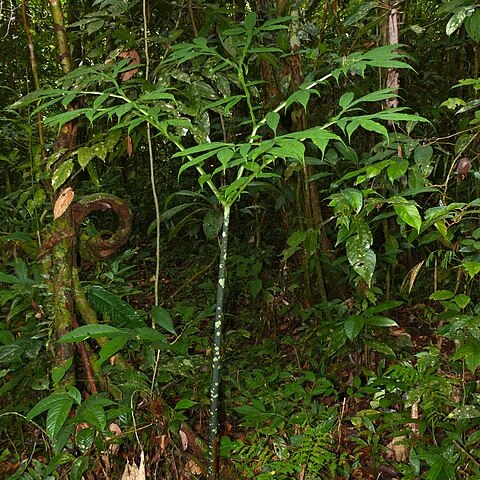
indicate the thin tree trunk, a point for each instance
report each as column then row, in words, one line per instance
column 63, row 252
column 35, row 76
column 217, row 348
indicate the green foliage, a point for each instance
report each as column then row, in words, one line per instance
column 314, row 390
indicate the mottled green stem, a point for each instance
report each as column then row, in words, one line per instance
column 217, row 347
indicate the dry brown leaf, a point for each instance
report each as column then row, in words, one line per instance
column 184, row 438
column 134, row 472
column 63, row 202
column 134, row 60
column 128, row 145
column 163, row 442
column 397, row 450
column 192, row 468
column 116, row 430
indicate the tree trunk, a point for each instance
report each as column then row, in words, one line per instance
column 62, row 254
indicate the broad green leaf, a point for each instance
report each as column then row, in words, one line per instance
column 74, row 393
column 472, row 26
column 156, row 95
column 100, row 150
column 171, row 212
column 205, row 147
column 273, row 118
column 6, row 278
column 354, row 197
column 61, row 456
column 311, row 242
column 353, row 325
column 225, row 155
column 290, row 148
column 95, row 26
column 152, row 336
column 320, row 138
column 300, row 96
column 250, row 21
column 84, row 438
column 397, row 168
column 229, row 103
column 62, row 173
column 376, row 96
column 197, row 161
column 184, row 404
column 453, row 103
column 456, row 20
column 205, row 91
column 98, row 102
column 120, row 111
column 57, row 415
column 379, row 321
column 362, row 260
column 233, row 31
column 462, row 300
column 255, row 287
column 361, row 11
column 296, row 238
column 94, row 413
column 465, row 412
column 409, row 214
column 359, row 254
column 366, row 124
column 44, row 404
column 395, row 115
column 234, row 189
column 65, row 117
column 85, row 154
column 382, row 307
column 471, row 353
column 441, row 295
column 112, row 305
column 380, row 347
column 422, row 154
column 346, row 99
column 92, row 172
column 6, row 337
column 294, row 241
column 111, row 348
column 472, row 268
column 212, row 223
column 90, row 331
column 59, row 372
column 80, row 465
column 162, row 318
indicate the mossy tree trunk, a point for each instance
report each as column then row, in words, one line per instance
column 62, row 254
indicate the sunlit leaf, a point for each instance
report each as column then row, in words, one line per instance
column 346, row 99
column 409, row 214
column 90, row 331
column 472, row 268
column 354, row 197
column 184, row 404
column 272, row 119
column 57, row 415
column 62, row 173
column 397, row 168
